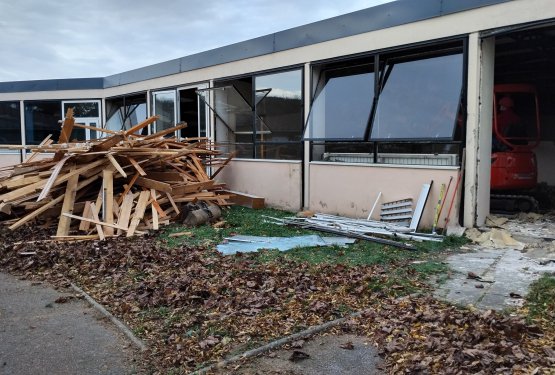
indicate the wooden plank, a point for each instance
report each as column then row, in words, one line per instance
column 67, row 207
column 87, row 212
column 141, row 125
column 107, row 144
column 47, row 206
column 165, row 176
column 108, row 199
column 67, row 127
column 153, row 184
column 116, row 165
column 170, row 198
column 52, row 179
column 96, row 129
column 154, row 217
column 125, row 212
column 167, row 131
column 154, row 202
column 95, row 218
column 245, row 200
column 194, row 187
column 136, row 166
column 139, row 212
column 226, row 162
column 20, row 181
column 45, row 141
column 128, row 187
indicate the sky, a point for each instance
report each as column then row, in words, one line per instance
column 45, row 39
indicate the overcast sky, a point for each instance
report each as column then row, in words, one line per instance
column 44, row 39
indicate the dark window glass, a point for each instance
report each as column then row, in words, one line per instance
column 10, row 124
column 83, row 109
column 341, row 110
column 420, row 99
column 164, row 106
column 279, row 106
column 41, row 119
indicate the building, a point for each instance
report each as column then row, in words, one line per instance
column 327, row 115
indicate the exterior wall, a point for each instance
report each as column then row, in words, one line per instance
column 351, row 189
column 279, row 182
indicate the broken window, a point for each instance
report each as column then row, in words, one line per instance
column 259, row 117
column 124, row 112
column 10, row 123
column 401, row 107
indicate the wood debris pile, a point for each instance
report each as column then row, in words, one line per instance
column 124, row 184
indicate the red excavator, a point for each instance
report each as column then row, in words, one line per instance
column 516, row 132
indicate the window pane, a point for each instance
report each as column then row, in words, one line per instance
column 420, row 99
column 342, row 109
column 10, row 125
column 83, row 109
column 412, row 153
column 280, row 151
column 280, row 106
column 347, row 152
column 164, row 106
column 41, row 119
column 243, row 150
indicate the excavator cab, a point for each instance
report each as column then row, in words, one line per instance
column 516, row 132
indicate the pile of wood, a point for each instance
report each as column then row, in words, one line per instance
column 123, row 184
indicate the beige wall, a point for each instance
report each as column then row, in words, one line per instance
column 351, row 190
column 279, row 182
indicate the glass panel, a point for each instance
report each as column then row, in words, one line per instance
column 164, row 106
column 41, row 119
column 279, row 106
column 10, row 125
column 279, row 151
column 202, row 118
column 83, row 109
column 243, row 150
column 342, row 109
column 420, row 99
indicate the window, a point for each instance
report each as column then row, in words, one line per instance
column 83, row 108
column 41, row 119
column 124, row 112
column 10, row 123
column 164, row 106
column 259, row 116
column 401, row 107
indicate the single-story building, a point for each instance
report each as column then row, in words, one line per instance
column 327, row 115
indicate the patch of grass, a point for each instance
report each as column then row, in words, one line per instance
column 541, row 300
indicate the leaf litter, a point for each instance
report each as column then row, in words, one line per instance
column 194, row 306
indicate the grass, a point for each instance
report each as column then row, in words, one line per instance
column 541, row 300
column 246, row 221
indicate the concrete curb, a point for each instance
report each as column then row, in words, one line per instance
column 118, row 323
column 274, row 344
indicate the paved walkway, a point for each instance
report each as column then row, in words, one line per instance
column 40, row 336
column 502, row 272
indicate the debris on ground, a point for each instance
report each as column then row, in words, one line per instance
column 248, row 244
column 494, row 238
column 124, row 184
column 359, row 228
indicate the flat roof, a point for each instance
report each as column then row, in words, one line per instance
column 379, row 17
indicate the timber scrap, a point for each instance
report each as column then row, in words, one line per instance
column 121, row 185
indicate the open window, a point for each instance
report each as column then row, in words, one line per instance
column 259, row 117
column 400, row 107
column 124, row 112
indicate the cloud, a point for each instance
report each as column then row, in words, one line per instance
column 64, row 38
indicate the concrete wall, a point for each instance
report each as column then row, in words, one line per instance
column 351, row 190
column 280, row 182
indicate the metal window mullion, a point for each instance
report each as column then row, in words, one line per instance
column 23, row 153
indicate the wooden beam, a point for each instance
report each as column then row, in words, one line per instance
column 99, row 230
column 139, row 212
column 67, row 207
column 94, row 220
column 108, row 199
column 141, row 125
column 116, row 165
column 153, row 184
column 137, row 166
column 125, row 212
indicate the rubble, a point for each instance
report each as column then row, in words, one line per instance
column 124, row 184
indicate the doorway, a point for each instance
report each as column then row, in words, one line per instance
column 193, row 112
